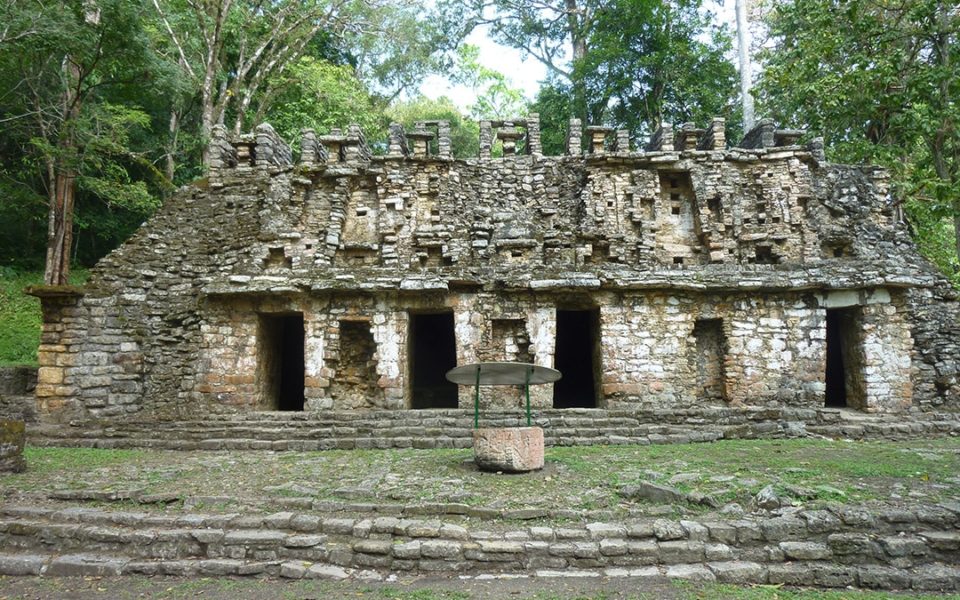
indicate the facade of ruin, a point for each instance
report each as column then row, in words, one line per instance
column 682, row 274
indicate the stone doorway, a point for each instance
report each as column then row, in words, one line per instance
column 432, row 352
column 844, row 364
column 577, row 358
column 281, row 362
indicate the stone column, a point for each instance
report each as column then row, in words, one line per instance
column 316, row 376
column 542, row 329
column 468, row 329
column 390, row 329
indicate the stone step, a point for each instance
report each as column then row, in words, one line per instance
column 807, row 548
column 436, row 428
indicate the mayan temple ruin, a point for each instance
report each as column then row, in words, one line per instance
column 684, row 274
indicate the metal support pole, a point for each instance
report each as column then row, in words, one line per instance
column 527, row 386
column 476, row 401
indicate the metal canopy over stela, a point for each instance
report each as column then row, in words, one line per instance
column 501, row 373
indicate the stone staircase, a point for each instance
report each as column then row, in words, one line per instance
column 452, row 428
column 894, row 549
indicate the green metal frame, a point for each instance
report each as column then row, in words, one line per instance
column 476, row 398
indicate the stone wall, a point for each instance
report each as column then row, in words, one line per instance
column 757, row 240
column 840, row 547
column 17, row 385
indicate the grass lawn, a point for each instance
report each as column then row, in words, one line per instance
column 811, row 472
column 419, row 589
column 20, row 315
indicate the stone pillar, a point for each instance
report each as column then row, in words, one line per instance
column 886, row 356
column 398, row 142
column 687, row 137
column 468, row 329
column 271, row 149
column 574, row 138
column 508, row 135
column 444, row 142
column 486, row 139
column 598, row 138
column 622, row 141
column 534, row 145
column 355, row 146
column 316, row 376
column 12, row 436
column 222, row 153
column 542, row 331
column 714, row 138
column 662, row 139
column 312, row 153
column 390, row 332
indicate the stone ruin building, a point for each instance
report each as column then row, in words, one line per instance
column 681, row 274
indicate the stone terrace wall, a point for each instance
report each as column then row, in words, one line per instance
column 153, row 327
column 844, row 546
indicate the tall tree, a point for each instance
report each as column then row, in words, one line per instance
column 658, row 60
column 235, row 50
column 56, row 108
column 624, row 62
column 557, row 33
column 879, row 79
column 496, row 98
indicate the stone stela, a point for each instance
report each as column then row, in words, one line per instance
column 677, row 275
column 510, row 449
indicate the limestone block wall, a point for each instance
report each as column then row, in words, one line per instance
column 168, row 322
column 777, row 349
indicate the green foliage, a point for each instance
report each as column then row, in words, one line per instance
column 878, row 80
column 627, row 63
column 319, row 95
column 464, row 132
column 71, row 108
column 656, row 61
column 554, row 104
column 20, row 315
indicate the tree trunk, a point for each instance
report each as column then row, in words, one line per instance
column 576, row 21
column 60, row 226
column 170, row 163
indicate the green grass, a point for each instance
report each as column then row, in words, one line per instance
column 812, row 472
column 20, row 315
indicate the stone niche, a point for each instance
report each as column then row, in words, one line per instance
column 709, row 357
column 353, row 360
column 678, row 234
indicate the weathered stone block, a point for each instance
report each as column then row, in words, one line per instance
column 12, row 438
column 512, row 449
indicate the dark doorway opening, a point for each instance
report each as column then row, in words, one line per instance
column 577, row 359
column 844, row 386
column 433, row 352
column 281, row 361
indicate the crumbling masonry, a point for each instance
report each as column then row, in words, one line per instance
column 682, row 274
